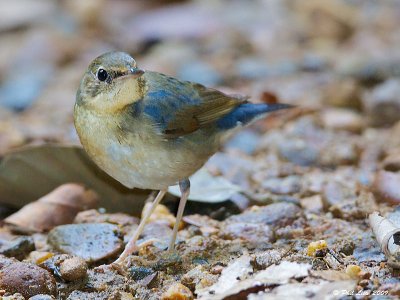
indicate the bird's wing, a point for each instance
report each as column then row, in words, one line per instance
column 179, row 107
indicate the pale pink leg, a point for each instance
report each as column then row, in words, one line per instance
column 185, row 191
column 131, row 246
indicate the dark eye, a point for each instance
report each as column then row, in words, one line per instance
column 102, row 75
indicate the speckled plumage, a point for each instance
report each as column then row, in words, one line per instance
column 149, row 130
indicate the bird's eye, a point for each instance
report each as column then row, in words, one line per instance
column 102, row 75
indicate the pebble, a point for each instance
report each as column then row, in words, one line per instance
column 368, row 249
column 312, row 204
column 73, row 269
column 253, row 233
column 276, row 214
column 334, row 193
column 94, row 216
column 353, row 271
column 298, row 151
column 25, row 278
column 42, row 297
column 139, row 273
column 382, row 105
column 91, row 241
column 252, row 68
column 392, row 162
column 177, row 291
column 313, row 247
column 266, row 258
column 245, row 141
column 19, row 247
column 33, row 81
column 386, row 187
column 201, row 72
column 345, row 93
column 198, row 278
column 287, row 185
column 159, row 232
column 342, row 119
column 38, row 257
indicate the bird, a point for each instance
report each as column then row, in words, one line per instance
column 149, row 130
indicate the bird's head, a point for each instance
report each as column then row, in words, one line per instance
column 111, row 82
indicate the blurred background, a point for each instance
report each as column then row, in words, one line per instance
column 317, row 54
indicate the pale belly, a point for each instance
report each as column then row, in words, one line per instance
column 153, row 165
column 147, row 162
column 148, row 166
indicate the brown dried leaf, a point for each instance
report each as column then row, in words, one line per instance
column 57, row 208
column 29, row 173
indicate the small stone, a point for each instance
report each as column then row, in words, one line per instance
column 345, row 93
column 139, row 273
column 38, row 257
column 334, row 193
column 216, row 270
column 18, row 247
column 16, row 296
column 267, row 258
column 161, row 214
column 177, row 291
column 160, row 233
column 27, row 279
column 198, row 278
column 201, row 72
column 345, row 246
column 298, row 151
column 245, row 141
column 73, row 269
column 42, row 297
column 353, row 271
column 252, row 68
column 312, row 204
column 382, row 105
column 276, row 214
column 91, row 241
column 250, row 232
column 126, row 296
column 313, row 247
column 287, row 185
column 391, row 162
column 342, row 119
column 386, row 187
column 94, row 216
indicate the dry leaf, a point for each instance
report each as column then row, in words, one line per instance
column 207, row 188
column 29, row 173
column 57, row 208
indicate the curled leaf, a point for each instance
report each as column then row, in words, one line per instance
column 57, row 208
column 207, row 188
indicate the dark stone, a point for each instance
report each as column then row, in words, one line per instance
column 91, row 241
column 18, row 247
column 139, row 273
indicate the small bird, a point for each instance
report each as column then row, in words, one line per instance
column 151, row 131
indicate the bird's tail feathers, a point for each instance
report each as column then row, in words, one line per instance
column 248, row 112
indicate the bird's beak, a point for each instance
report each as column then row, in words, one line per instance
column 137, row 72
column 133, row 74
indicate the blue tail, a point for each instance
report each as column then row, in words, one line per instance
column 246, row 112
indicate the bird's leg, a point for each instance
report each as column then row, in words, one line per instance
column 184, row 185
column 131, row 246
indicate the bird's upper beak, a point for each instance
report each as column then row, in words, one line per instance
column 133, row 74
